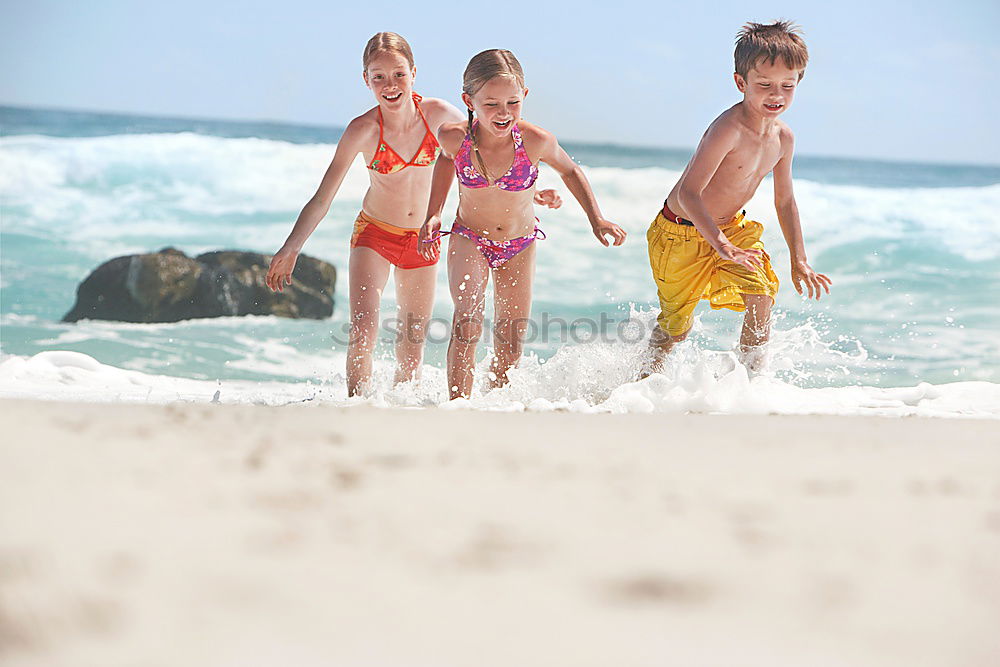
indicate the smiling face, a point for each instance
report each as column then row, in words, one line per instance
column 390, row 77
column 769, row 87
column 497, row 104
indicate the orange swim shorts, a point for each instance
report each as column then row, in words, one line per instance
column 396, row 244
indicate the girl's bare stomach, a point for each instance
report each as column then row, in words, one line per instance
column 497, row 215
column 400, row 202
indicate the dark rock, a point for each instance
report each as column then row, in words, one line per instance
column 169, row 286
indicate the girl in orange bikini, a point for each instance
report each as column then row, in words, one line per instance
column 402, row 124
column 496, row 154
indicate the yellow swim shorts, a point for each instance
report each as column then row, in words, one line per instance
column 687, row 269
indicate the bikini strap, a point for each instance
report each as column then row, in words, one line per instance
column 466, row 147
column 381, row 141
column 437, row 235
column 417, row 99
column 516, row 133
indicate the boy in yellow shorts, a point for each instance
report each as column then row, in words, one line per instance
column 702, row 245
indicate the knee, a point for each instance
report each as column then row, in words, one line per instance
column 467, row 328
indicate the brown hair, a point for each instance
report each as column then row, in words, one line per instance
column 484, row 67
column 386, row 42
column 782, row 39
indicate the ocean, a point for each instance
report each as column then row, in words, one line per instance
column 909, row 328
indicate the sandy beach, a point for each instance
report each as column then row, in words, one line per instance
column 188, row 534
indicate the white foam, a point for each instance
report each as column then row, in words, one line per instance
column 73, row 376
column 716, row 384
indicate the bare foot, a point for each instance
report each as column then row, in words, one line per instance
column 653, row 362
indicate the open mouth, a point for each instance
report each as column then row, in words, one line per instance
column 502, row 126
column 774, row 107
column 392, row 98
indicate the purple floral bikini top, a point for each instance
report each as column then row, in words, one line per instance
column 521, row 175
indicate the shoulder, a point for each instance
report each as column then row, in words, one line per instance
column 786, row 141
column 360, row 134
column 725, row 128
column 456, row 129
column 440, row 110
column 536, row 137
column 451, row 135
column 785, row 135
column 362, row 128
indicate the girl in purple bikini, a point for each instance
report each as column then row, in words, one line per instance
column 495, row 156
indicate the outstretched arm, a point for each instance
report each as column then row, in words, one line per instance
column 279, row 273
column 578, row 185
column 788, row 218
column 718, row 141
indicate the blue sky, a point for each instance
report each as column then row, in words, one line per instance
column 908, row 81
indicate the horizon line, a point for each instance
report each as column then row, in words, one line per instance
column 340, row 128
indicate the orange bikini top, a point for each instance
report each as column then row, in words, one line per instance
column 388, row 161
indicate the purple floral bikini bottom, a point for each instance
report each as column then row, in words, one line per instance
column 495, row 252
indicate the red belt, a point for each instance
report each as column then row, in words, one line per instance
column 673, row 217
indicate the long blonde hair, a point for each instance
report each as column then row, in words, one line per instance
column 485, row 67
column 386, row 42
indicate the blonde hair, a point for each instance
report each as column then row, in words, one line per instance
column 782, row 39
column 386, row 42
column 483, row 68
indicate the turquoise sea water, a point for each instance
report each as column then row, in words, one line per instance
column 912, row 250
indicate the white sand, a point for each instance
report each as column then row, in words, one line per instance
column 237, row 535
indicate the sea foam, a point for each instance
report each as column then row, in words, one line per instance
column 716, row 384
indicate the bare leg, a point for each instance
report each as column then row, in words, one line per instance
column 415, row 297
column 512, row 308
column 468, row 275
column 369, row 272
column 756, row 330
column 660, row 345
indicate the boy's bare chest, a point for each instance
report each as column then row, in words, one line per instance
column 751, row 160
